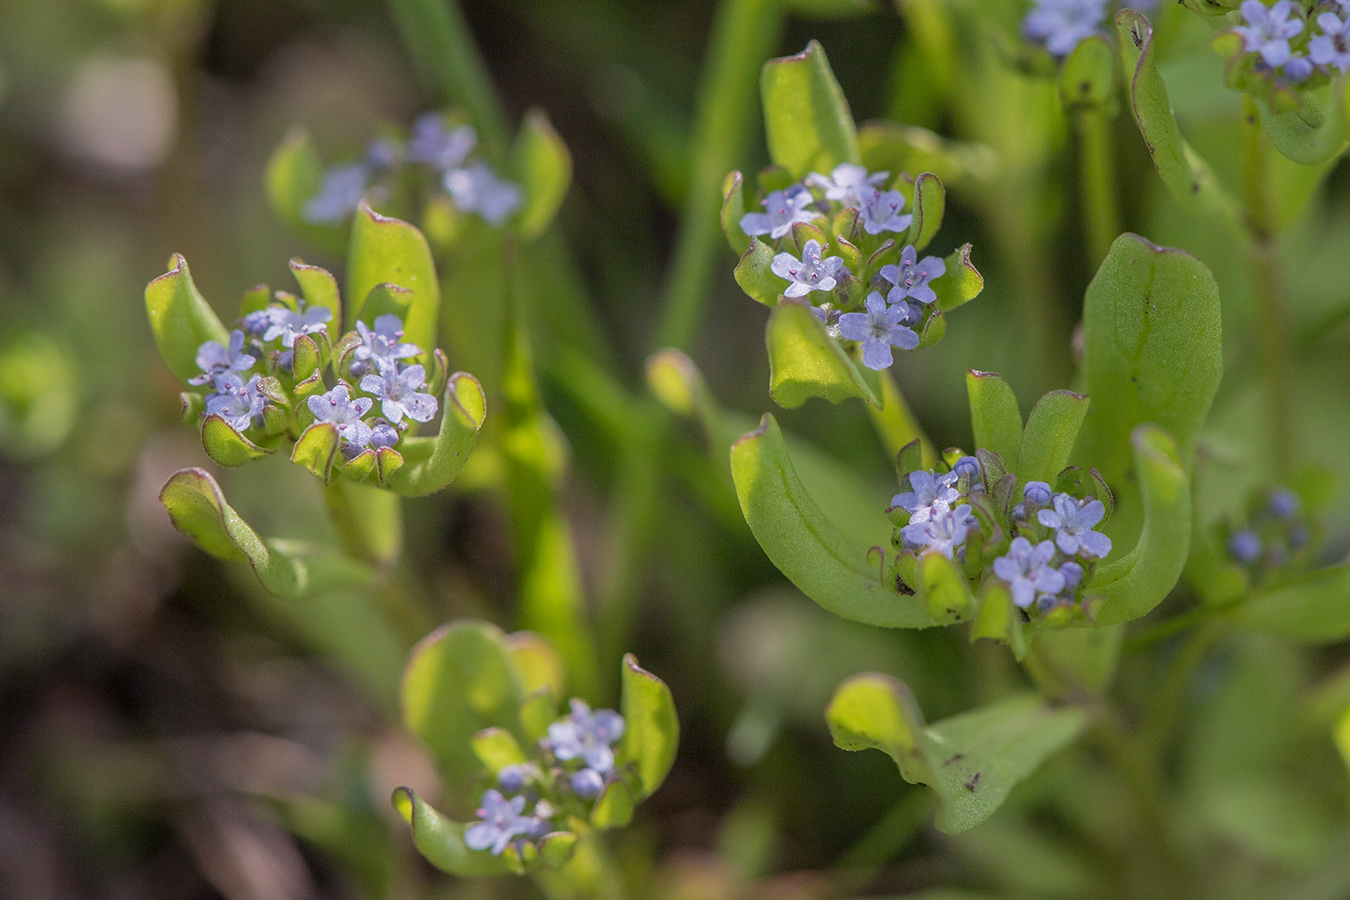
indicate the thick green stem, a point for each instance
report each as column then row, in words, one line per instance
column 1097, row 174
column 744, row 35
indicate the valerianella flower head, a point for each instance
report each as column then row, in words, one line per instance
column 879, row 328
column 945, row 532
column 587, row 736
column 782, row 209
column 337, row 408
column 1269, row 29
column 441, row 148
column 881, row 212
column 932, row 493
column 810, row 273
column 398, row 393
column 501, row 821
column 381, row 344
column 235, row 400
column 1073, row 521
column 1027, row 570
column 340, row 193
column 215, row 359
column 1332, row 46
column 477, row 189
column 911, row 278
column 848, row 184
column 1061, row 24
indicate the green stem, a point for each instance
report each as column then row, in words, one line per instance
column 1097, row 171
column 745, row 33
column 447, row 59
column 1167, row 703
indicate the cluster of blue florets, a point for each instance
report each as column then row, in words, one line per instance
column 571, row 769
column 1048, row 539
column 443, row 151
column 1292, row 41
column 1276, row 531
column 1059, row 25
column 897, row 283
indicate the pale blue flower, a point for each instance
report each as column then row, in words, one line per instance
column 1027, row 570
column 236, row 401
column 587, row 736
column 1061, row 24
column 911, row 278
column 944, row 533
column 380, row 345
column 1037, row 493
column 1245, row 546
column 337, row 408
column 382, row 435
column 932, row 493
column 382, row 154
column 285, row 323
column 215, row 359
column 514, row 778
column 1073, row 521
column 879, row 328
column 340, row 193
column 441, row 148
column 587, row 784
column 397, row 391
column 783, row 209
column 477, row 189
column 849, row 184
column 1283, row 503
column 969, row 467
column 1073, row 575
column 881, row 212
column 810, row 273
column 1269, row 29
column 501, row 821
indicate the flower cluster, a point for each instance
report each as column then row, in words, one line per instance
column 882, row 297
column 571, row 768
column 1041, row 546
column 1276, row 531
column 1059, row 25
column 433, row 146
column 1286, row 41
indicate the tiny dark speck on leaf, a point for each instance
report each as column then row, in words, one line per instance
column 1195, row 187
column 955, row 758
column 903, row 588
column 973, row 783
column 1085, row 86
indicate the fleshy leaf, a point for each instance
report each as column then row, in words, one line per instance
column 1134, row 584
column 754, row 275
column 614, row 807
column 994, row 415
column 805, row 546
column 441, row 840
column 733, row 208
column 390, row 251
column 556, row 848
column 930, row 203
column 319, row 288
column 961, row 283
column 1312, row 132
column 944, row 588
column 317, row 450
column 1314, row 609
column 497, row 748
column 199, row 511
column 971, row 761
column 429, row 464
column 386, row 299
column 805, row 362
column 1087, row 76
column 181, row 319
column 227, row 446
column 537, row 662
column 545, row 169
column 806, row 117
column 652, row 729
column 1049, row 436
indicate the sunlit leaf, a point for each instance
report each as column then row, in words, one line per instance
column 226, row 446
column 390, row 251
column 1049, row 435
column 545, row 169
column 994, row 415
column 429, row 464
column 930, row 203
column 805, row 362
column 181, row 319
column 806, row 118
column 441, row 840
column 652, row 729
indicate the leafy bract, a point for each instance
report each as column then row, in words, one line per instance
column 1052, row 427
column 181, row 319
column 651, row 728
column 971, row 761
column 431, row 463
column 930, row 204
column 390, row 251
column 1312, row 132
column 441, row 840
column 994, row 414
column 805, row 362
column 806, row 118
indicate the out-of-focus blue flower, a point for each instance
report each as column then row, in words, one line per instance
column 849, row 184
column 587, row 784
column 513, row 778
column 1269, row 29
column 782, row 210
column 881, row 212
column 441, row 148
column 477, row 189
column 340, row 193
column 1027, row 570
column 810, row 273
column 931, row 493
column 1060, row 24
column 397, row 391
column 1073, row 523
column 501, row 821
column 337, row 408
column 1073, row 575
column 911, row 278
column 1245, row 546
column 879, row 328
column 1037, row 493
column 215, row 359
column 587, row 736
column 945, row 532
column 382, row 154
column 235, row 400
column 1283, row 503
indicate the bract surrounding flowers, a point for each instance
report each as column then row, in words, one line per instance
column 1027, row 570
column 932, row 493
column 501, row 820
column 337, row 408
column 477, row 189
column 398, row 393
column 782, row 210
column 215, row 359
column 849, row 184
column 810, row 273
column 587, row 736
column 911, row 278
column 1073, row 523
column 878, row 329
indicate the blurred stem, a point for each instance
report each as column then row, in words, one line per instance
column 745, row 32
column 447, row 60
column 1097, row 171
column 883, row 841
column 1272, row 337
column 1166, row 704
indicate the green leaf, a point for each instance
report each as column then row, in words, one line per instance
column 441, row 840
column 805, row 546
column 537, row 662
column 944, row 588
column 294, row 176
column 319, row 288
column 614, row 807
column 390, row 251
column 317, row 450
column 226, row 446
column 496, row 749
column 198, row 510
column 891, row 147
column 930, row 203
column 971, row 761
column 961, row 283
column 1153, row 351
column 386, row 299
column 805, row 362
column 806, row 118
column 1049, row 436
column 556, row 848
column 545, row 169
column 1134, row 584
column 1087, row 76
column 429, row 464
column 651, row 728
column 1187, row 176
column 181, row 319
column 994, row 416
column 1314, row 609
column 754, row 275
column 1312, row 132
column 459, row 680
column 733, row 208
